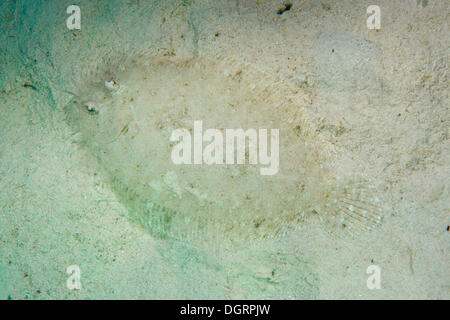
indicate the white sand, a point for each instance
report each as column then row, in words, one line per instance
column 57, row 210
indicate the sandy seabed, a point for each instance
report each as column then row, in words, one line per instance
column 349, row 101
